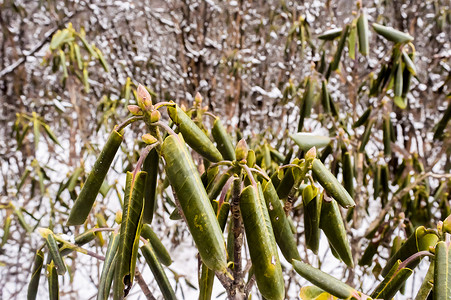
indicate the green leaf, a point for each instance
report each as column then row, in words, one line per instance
column 223, row 140
column 314, row 293
column 330, row 34
column 53, row 249
column 132, row 214
column 280, row 224
column 21, row 219
column 324, row 281
column 427, row 284
column 441, row 125
column 158, row 272
column 348, row 173
column 86, row 45
column 366, row 135
column 409, row 63
column 331, row 184
column 50, row 133
column 35, row 275
column 193, row 135
column 312, row 213
column 352, row 40
column 392, row 283
column 78, row 56
column 194, row 202
column 332, row 225
column 262, row 244
column 101, row 58
column 363, row 118
column 160, row 250
column 363, row 32
column 392, row 34
column 59, row 38
column 341, row 44
column 150, row 166
column 306, row 141
column 6, row 227
column 63, row 63
column 206, row 280
column 106, row 277
column 420, row 240
column 53, row 281
column 88, row 194
column 325, row 97
column 36, row 130
column 442, row 273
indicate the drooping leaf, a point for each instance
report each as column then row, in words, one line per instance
column 150, row 166
column 427, row 284
column 330, row 34
column 392, row 34
column 158, row 272
column 53, row 281
column 420, row 240
column 305, row 141
column 363, row 32
column 392, row 282
column 280, row 224
column 324, row 281
column 331, row 184
column 193, row 135
column 33, row 285
column 107, row 275
column 223, row 140
column 332, row 225
column 341, row 44
column 194, row 202
column 130, row 233
column 442, row 271
column 53, row 249
column 88, row 194
column 160, row 250
column 262, row 244
column 312, row 213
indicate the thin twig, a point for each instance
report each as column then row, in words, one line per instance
column 399, row 195
column 143, row 285
column 128, row 122
column 37, row 47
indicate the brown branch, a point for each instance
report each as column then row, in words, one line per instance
column 399, row 195
column 37, row 47
column 143, row 285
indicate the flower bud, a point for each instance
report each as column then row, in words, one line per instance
column 144, row 98
column 447, row 224
column 155, row 116
column 135, row 110
column 241, row 150
column 118, row 218
column 251, row 158
column 198, row 98
column 311, row 154
column 149, row 139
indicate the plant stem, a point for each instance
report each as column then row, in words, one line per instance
column 128, row 122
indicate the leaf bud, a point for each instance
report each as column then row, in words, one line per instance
column 144, row 98
column 241, row 150
column 118, row 218
column 251, row 158
column 135, row 110
column 311, row 154
column 149, row 139
column 198, row 98
column 155, row 116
